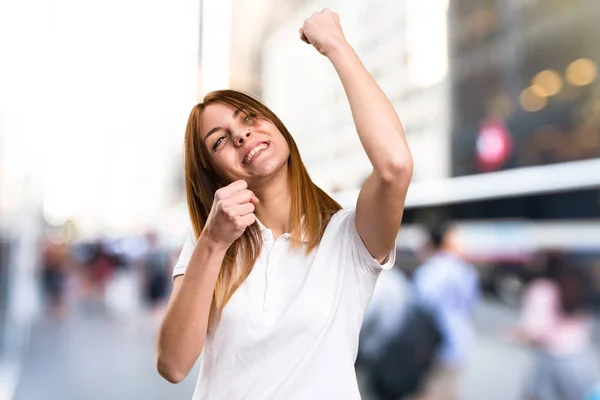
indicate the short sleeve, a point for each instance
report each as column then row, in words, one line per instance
column 358, row 251
column 185, row 255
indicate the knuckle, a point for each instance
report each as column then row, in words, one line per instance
column 228, row 211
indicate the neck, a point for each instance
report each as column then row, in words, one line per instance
column 275, row 204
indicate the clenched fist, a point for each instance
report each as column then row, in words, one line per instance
column 231, row 213
column 323, row 31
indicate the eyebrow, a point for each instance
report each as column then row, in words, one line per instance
column 218, row 128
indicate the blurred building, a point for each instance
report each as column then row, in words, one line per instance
column 526, row 94
column 524, row 83
column 232, row 35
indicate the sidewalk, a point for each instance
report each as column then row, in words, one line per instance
column 11, row 359
column 93, row 355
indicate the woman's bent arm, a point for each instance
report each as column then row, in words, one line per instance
column 381, row 200
column 183, row 330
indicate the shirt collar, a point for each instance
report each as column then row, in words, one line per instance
column 261, row 225
column 264, row 229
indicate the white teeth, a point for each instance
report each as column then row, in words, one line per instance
column 257, row 149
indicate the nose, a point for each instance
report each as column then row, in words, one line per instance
column 241, row 136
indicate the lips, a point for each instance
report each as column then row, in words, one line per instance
column 256, row 150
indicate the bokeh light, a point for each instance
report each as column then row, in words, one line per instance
column 581, row 72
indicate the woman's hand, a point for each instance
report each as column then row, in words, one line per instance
column 323, row 31
column 232, row 212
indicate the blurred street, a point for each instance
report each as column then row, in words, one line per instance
column 495, row 361
column 95, row 355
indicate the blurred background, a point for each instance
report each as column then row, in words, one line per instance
column 500, row 101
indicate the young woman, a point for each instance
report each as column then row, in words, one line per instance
column 271, row 285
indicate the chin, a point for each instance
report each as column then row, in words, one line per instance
column 266, row 169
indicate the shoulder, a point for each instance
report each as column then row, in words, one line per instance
column 339, row 225
column 342, row 215
column 341, row 237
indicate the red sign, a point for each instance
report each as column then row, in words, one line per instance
column 493, row 146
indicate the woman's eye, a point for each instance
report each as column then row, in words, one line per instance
column 249, row 118
column 217, row 143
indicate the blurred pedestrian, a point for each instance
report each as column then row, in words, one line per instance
column 447, row 286
column 155, row 273
column 101, row 266
column 556, row 320
column 385, row 311
column 272, row 284
column 55, row 263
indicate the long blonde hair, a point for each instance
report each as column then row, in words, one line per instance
column 311, row 207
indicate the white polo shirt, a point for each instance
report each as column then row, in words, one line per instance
column 290, row 331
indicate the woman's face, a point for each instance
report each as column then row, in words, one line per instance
column 240, row 145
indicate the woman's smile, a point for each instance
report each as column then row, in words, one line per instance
column 255, row 152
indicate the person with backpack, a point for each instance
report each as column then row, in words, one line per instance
column 382, row 319
column 447, row 286
column 427, row 351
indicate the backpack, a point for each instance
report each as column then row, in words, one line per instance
column 407, row 357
